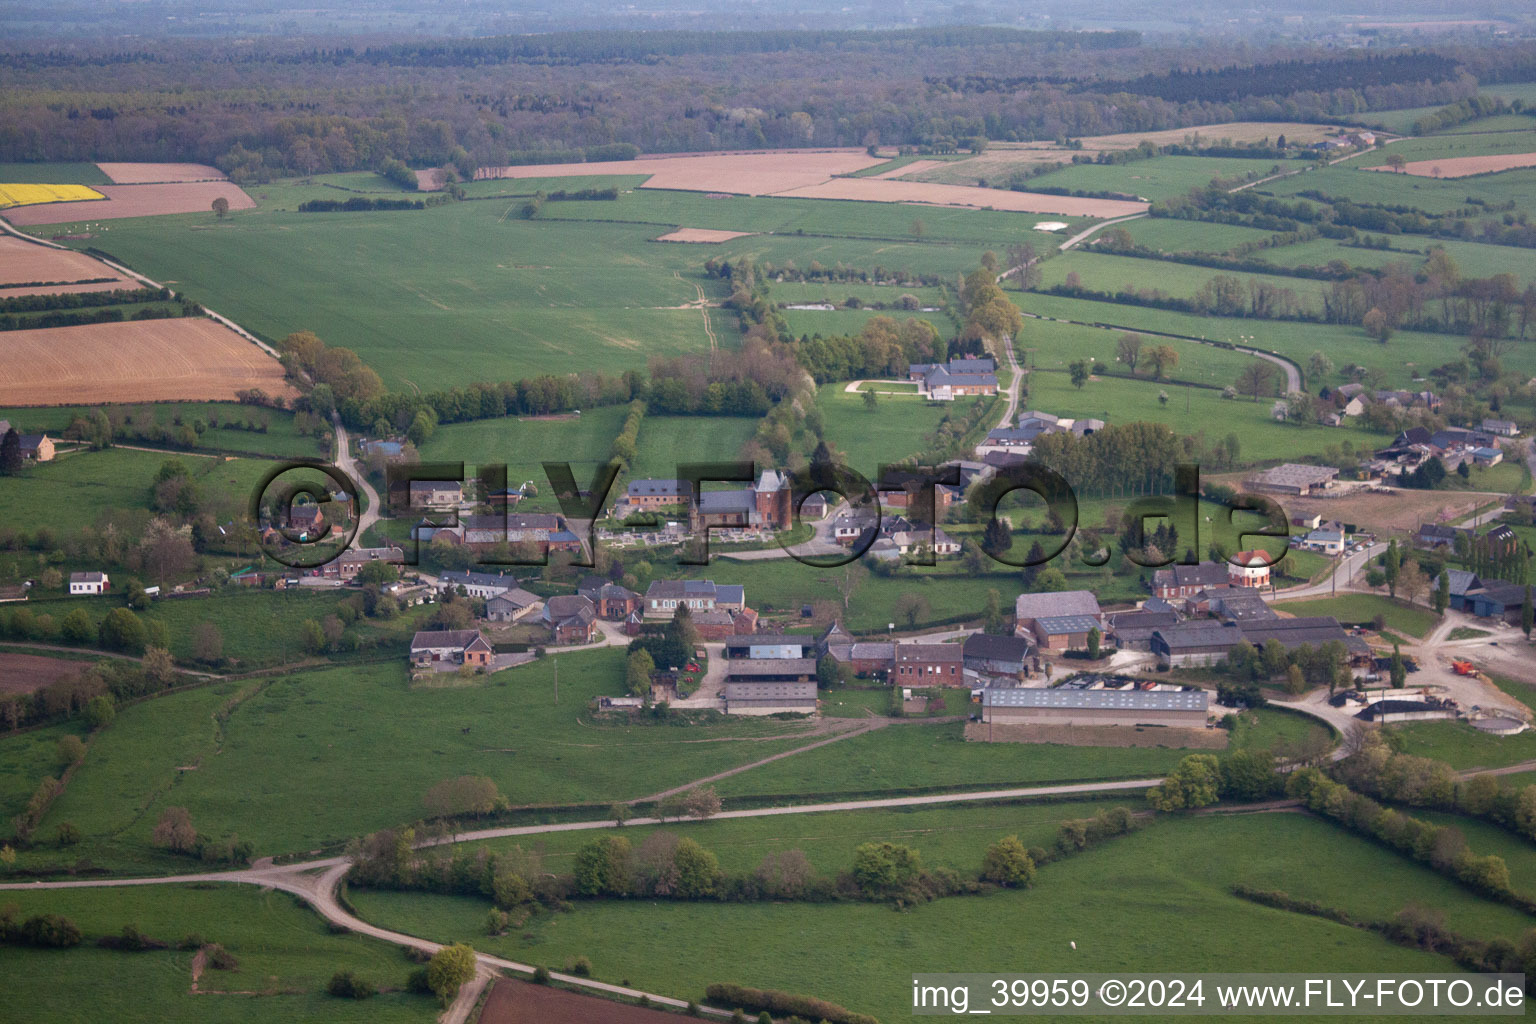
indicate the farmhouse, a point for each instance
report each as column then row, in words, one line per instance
column 664, row 597
column 1184, row 580
column 613, row 602
column 1249, row 569
column 1293, row 478
column 989, row 655
column 435, row 493
column 655, row 493
column 768, row 686
column 1124, row 707
column 1430, row 536
column 450, row 647
column 36, row 447
column 1326, row 540
column 1501, row 428
column 477, row 584
column 88, row 583
column 1487, row 456
column 918, row 664
column 513, row 605
column 570, row 618
column 944, row 382
column 1029, row 609
column 349, row 563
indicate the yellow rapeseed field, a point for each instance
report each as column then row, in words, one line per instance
column 31, row 195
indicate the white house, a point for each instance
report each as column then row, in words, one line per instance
column 88, row 583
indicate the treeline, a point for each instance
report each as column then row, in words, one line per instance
column 1470, row 109
column 1354, row 73
column 92, row 694
column 744, row 382
column 883, row 348
column 1119, row 460
column 63, row 318
column 360, row 204
column 82, row 300
column 190, row 102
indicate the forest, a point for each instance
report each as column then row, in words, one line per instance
column 281, row 107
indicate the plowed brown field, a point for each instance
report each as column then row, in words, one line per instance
column 139, row 174
column 1464, row 166
column 186, row 359
column 22, row 261
column 135, row 201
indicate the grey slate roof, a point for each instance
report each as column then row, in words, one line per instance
column 1127, row 699
column 1058, row 603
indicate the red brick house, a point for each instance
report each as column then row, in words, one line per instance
column 918, row 664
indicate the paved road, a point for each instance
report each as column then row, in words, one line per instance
column 1343, row 571
column 348, row 465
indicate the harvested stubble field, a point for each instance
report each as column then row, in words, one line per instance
column 23, row 262
column 705, row 235
column 138, row 201
column 877, row 190
column 142, row 174
column 1464, row 166
column 188, row 358
column 750, row 174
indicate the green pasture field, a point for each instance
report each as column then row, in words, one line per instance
column 1497, row 123
column 285, row 953
column 1165, row 883
column 810, row 322
column 953, row 836
column 1321, row 251
column 1173, row 235
column 928, row 256
column 838, row 292
column 1415, row 621
column 902, row 161
column 1447, row 146
column 1109, row 273
column 779, row 587
column 785, row 215
column 668, row 441
column 1434, row 196
column 1192, row 410
column 918, row 755
column 1276, row 730
column 25, row 760
column 1461, row 746
column 319, row 756
column 898, row 427
column 436, row 297
column 1406, row 352
column 55, row 173
column 1161, row 177
column 1511, row 91
column 1051, row 345
column 279, row 439
column 84, row 488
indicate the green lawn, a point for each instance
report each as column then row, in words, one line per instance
column 899, row 426
column 1161, row 177
column 1433, row 196
column 1190, row 410
column 1166, row 883
column 1172, row 235
column 1416, row 621
column 1461, row 746
column 319, row 756
column 278, row 438
column 915, row 755
column 286, row 956
column 1405, row 352
column 86, row 488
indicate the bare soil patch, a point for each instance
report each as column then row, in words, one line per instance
column 751, row 174
column 1100, row 735
column 185, row 359
column 1464, row 166
column 876, row 190
column 140, row 174
column 517, row 1002
column 709, row 235
column 137, row 201
column 24, row 673
column 23, row 261
column 1400, row 510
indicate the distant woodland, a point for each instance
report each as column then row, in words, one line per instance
column 279, row 107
